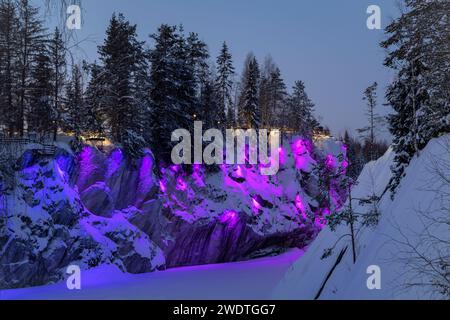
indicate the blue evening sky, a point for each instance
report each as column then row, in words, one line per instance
column 325, row 43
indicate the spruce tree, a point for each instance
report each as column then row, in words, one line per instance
column 375, row 121
column 172, row 89
column 301, row 110
column 9, row 76
column 73, row 115
column 417, row 44
column 265, row 94
column 31, row 39
column 278, row 94
column 121, row 56
column 40, row 117
column 92, row 122
column 250, row 113
column 224, row 85
column 58, row 61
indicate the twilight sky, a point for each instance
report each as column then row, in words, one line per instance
column 325, row 43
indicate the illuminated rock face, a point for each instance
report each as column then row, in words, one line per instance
column 142, row 218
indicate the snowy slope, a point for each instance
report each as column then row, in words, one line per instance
column 402, row 220
column 253, row 279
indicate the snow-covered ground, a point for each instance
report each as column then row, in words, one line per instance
column 255, row 279
column 403, row 220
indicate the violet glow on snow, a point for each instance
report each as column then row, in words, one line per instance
column 198, row 176
column 282, row 156
column 239, row 171
column 87, row 166
column 330, row 162
column 300, row 149
column 63, row 163
column 162, row 186
column 179, row 187
column 300, row 206
column 256, row 206
column 145, row 174
column 114, row 162
column 181, row 184
column 230, row 218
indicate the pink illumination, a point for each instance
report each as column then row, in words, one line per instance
column 114, row 162
column 162, row 186
column 319, row 222
column 181, row 184
column 229, row 217
column 345, row 164
column 256, row 206
column 239, row 171
column 198, row 176
column 300, row 152
column 145, row 174
column 300, row 206
column 329, row 162
column 282, row 156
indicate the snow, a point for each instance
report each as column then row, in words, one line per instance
column 253, row 279
column 293, row 275
column 379, row 246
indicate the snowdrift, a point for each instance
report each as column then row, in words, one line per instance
column 410, row 231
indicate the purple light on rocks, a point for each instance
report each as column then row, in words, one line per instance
column 60, row 172
column 300, row 206
column 239, row 171
column 345, row 164
column 300, row 150
column 319, row 222
column 329, row 162
column 175, row 168
column 230, row 218
column 282, row 156
column 145, row 174
column 181, row 184
column 87, row 166
column 299, row 147
column 162, row 186
column 114, row 162
column 197, row 175
column 256, row 206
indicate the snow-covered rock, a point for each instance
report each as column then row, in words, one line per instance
column 95, row 208
column 46, row 227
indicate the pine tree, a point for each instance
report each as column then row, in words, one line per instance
column 301, row 110
column 172, row 89
column 73, row 115
column 369, row 132
column 198, row 55
column 58, row 61
column 265, row 94
column 354, row 156
column 121, row 56
column 250, row 113
column 9, row 76
column 224, row 85
column 403, row 124
column 278, row 98
column 40, row 117
column 31, row 39
column 92, row 123
column 208, row 103
column 417, row 44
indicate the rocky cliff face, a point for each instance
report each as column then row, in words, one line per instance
column 94, row 208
